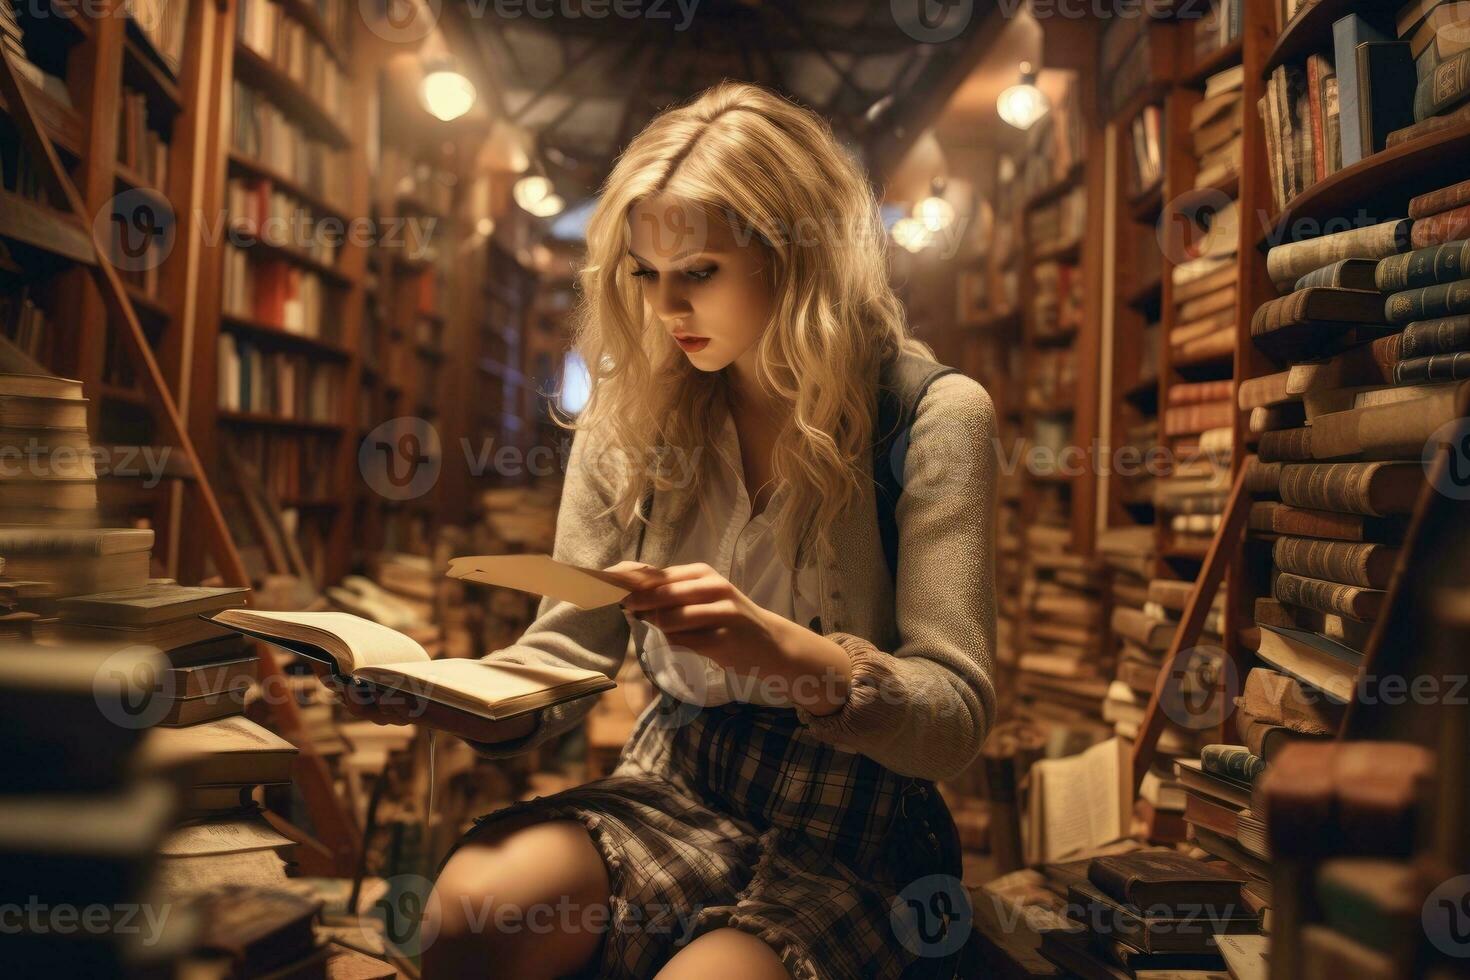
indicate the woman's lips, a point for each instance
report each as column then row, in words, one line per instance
column 692, row 344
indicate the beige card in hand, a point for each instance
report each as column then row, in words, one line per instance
column 585, row 588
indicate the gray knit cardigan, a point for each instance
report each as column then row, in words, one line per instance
column 922, row 695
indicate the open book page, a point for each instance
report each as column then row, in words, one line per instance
column 490, row 689
column 1076, row 801
column 353, row 642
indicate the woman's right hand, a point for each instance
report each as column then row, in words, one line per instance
column 385, row 706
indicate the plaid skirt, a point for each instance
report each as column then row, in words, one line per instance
column 733, row 816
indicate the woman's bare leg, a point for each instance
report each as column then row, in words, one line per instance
column 520, row 899
column 722, row 953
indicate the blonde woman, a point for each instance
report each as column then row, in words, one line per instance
column 773, row 813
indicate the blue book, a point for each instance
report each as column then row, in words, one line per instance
column 1347, row 34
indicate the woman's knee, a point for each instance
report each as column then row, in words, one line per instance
column 725, row 952
column 514, row 895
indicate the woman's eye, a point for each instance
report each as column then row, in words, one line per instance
column 643, row 273
column 700, row 275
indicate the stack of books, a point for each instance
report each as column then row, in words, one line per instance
column 210, row 668
column 1204, row 293
column 1437, row 33
column 1342, row 825
column 51, row 476
column 1147, row 911
column 1214, row 126
column 78, row 560
column 1343, row 435
column 1063, row 674
column 81, row 822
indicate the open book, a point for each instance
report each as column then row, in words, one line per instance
column 365, row 650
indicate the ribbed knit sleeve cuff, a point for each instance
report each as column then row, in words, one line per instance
column 514, row 746
column 874, row 711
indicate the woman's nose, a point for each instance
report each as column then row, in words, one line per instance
column 669, row 302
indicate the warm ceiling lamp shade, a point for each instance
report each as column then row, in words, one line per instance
column 447, row 94
column 530, row 190
column 1023, row 104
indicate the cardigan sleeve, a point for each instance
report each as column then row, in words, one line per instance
column 924, row 708
column 563, row 634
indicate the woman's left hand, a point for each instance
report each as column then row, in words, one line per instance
column 698, row 608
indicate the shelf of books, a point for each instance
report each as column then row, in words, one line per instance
column 118, row 96
column 1059, row 677
column 286, row 324
column 1176, row 143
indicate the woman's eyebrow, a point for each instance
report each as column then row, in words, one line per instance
column 676, row 258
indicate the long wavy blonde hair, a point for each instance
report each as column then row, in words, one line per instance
column 744, row 154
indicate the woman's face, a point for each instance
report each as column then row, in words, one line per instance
column 708, row 287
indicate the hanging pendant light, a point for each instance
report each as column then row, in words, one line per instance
column 445, row 92
column 1022, row 105
column 934, row 212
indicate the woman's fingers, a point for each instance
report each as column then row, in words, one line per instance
column 679, row 619
column 676, row 594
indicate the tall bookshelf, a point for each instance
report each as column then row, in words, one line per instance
column 281, row 313
column 124, row 105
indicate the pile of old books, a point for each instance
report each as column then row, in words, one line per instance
column 1214, row 126
column 1373, row 340
column 1062, row 670
column 1353, row 895
column 1146, row 911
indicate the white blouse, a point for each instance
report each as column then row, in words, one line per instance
column 720, row 531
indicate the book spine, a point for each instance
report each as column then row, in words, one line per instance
column 1442, row 336
column 1449, row 226
column 1261, row 477
column 1350, row 601
column 1429, row 302
column 1287, row 445
column 1288, row 263
column 1444, row 199
column 1446, row 88
column 1318, row 524
column 1349, row 563
column 1231, row 761
column 1328, row 275
column 1423, row 267
column 1435, row 367
column 1328, row 486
